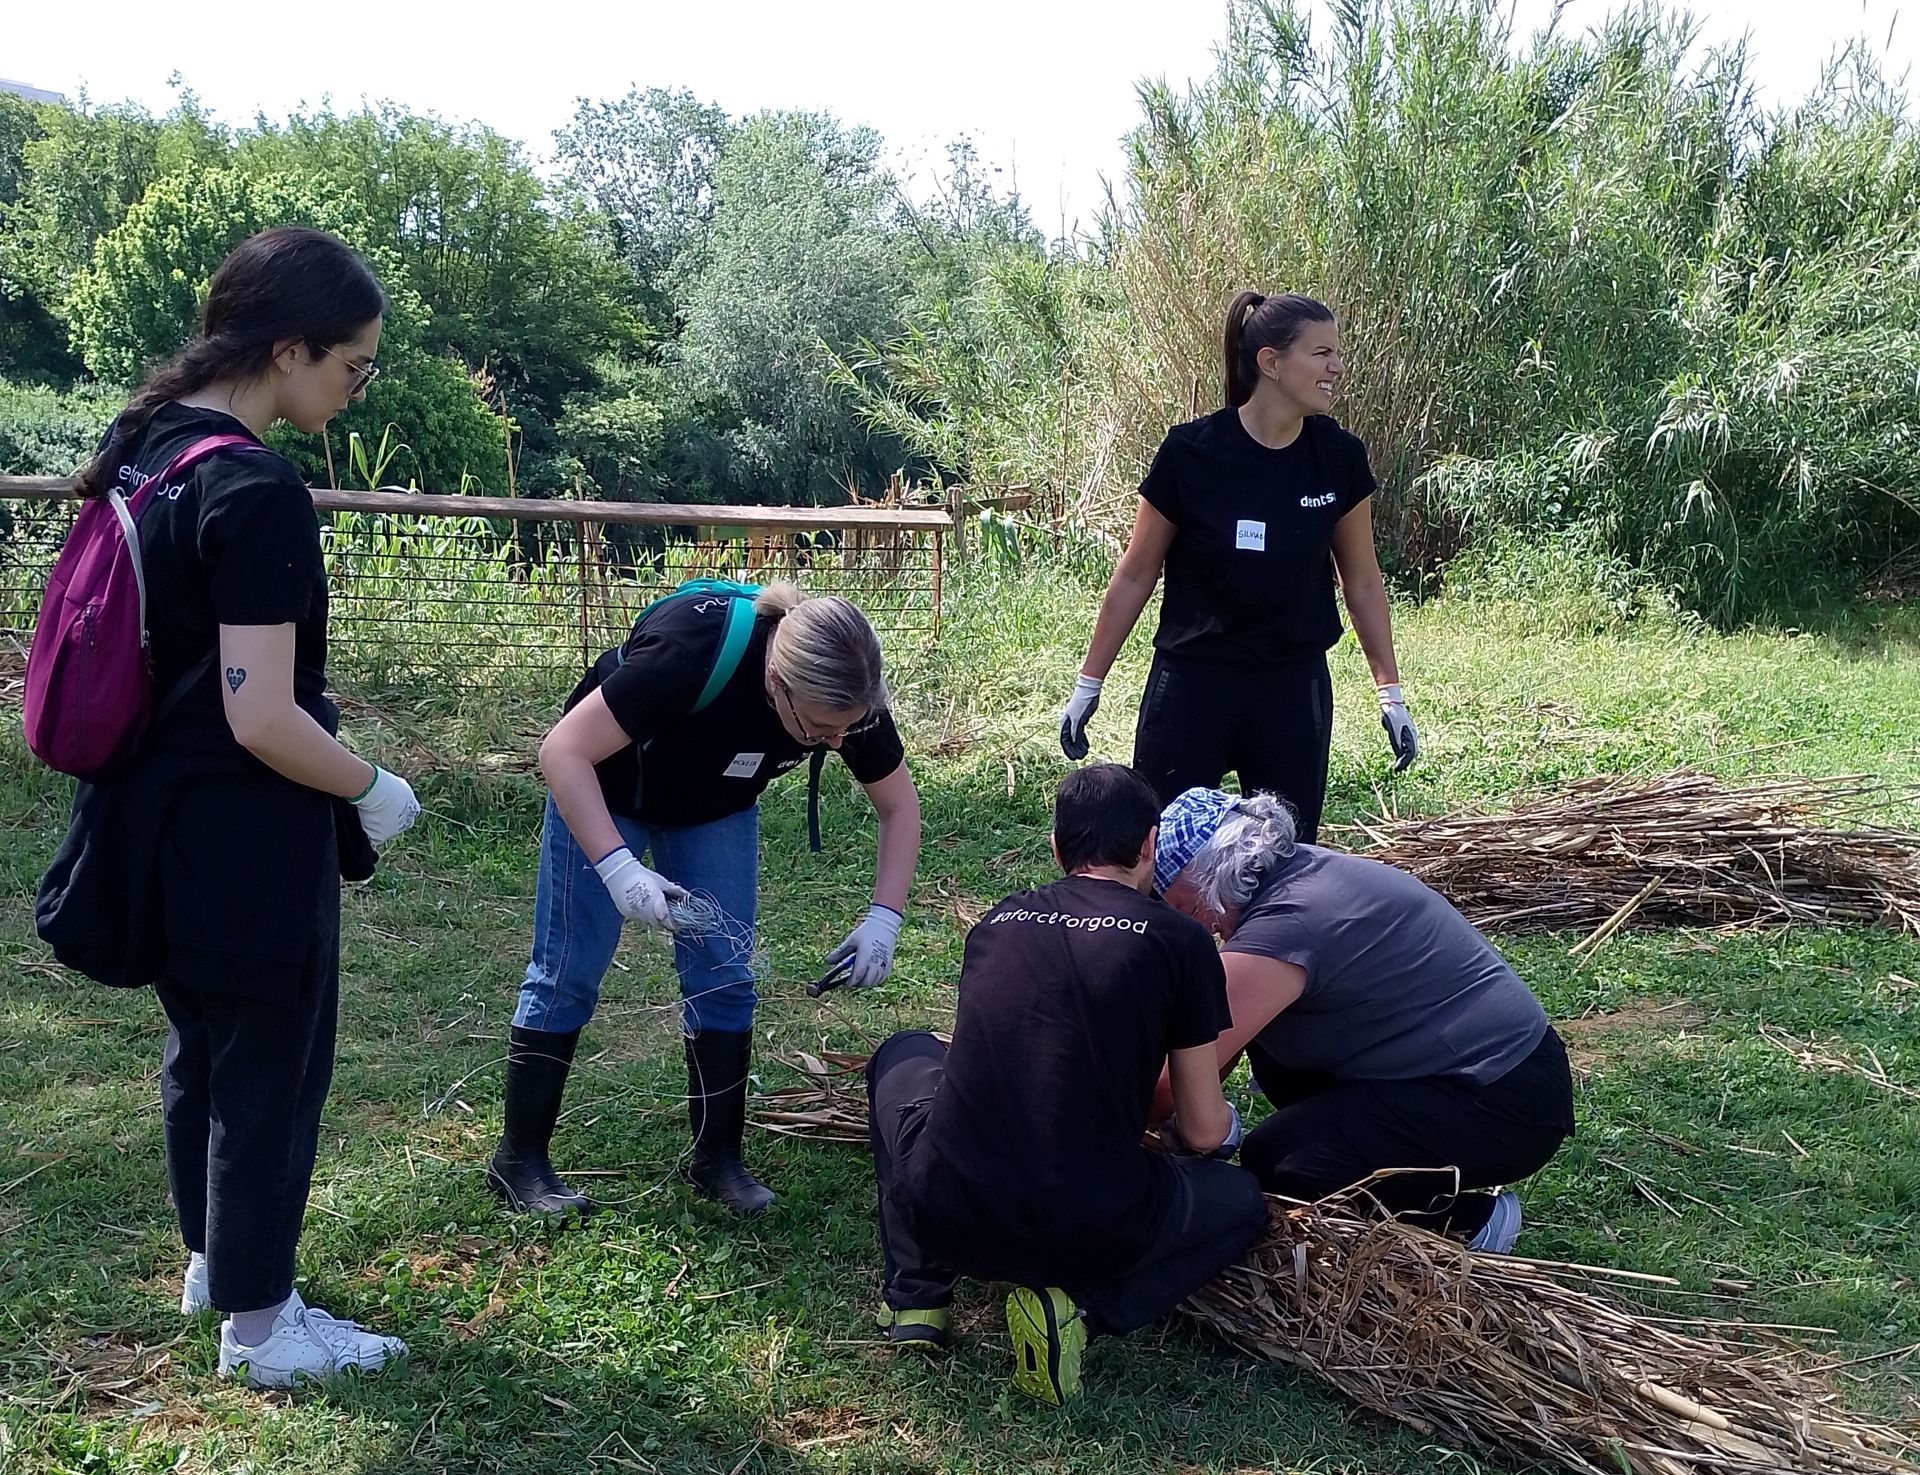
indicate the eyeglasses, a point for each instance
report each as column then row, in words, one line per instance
column 815, row 739
column 363, row 374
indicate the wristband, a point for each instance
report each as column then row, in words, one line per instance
column 371, row 783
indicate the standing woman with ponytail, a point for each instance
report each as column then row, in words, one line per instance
column 664, row 750
column 209, row 864
column 1251, row 511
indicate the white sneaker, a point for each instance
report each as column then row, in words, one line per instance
column 194, row 1295
column 306, row 1343
column 1502, row 1228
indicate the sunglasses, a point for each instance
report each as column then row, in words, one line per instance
column 815, row 739
column 363, row 374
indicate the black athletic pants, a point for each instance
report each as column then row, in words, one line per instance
column 1218, row 1209
column 1325, row 1135
column 1272, row 725
column 242, row 1084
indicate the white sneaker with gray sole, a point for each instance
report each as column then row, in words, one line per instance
column 307, row 1345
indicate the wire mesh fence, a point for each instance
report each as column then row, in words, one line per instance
column 475, row 592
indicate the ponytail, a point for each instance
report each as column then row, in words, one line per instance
column 1254, row 322
column 778, row 599
column 1237, row 380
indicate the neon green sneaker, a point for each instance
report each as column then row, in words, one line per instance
column 1049, row 1335
column 926, row 1330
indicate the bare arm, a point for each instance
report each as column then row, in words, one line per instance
column 1365, row 591
column 1258, row 989
column 896, row 805
column 1198, row 1102
column 1129, row 589
column 582, row 738
column 257, row 681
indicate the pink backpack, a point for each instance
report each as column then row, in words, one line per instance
column 89, row 697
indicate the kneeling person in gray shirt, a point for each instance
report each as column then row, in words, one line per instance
column 1386, row 1031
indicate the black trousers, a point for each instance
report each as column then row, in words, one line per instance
column 1325, row 1135
column 1216, row 1212
column 1272, row 725
column 242, row 1085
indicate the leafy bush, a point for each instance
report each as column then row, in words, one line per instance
column 44, row 432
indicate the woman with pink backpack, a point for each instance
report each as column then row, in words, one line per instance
column 211, row 829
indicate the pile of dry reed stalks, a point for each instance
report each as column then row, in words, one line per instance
column 830, row 1107
column 1526, row 1361
column 1681, row 850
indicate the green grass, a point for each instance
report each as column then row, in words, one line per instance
column 663, row 1336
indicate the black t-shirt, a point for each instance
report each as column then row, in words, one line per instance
column 196, row 862
column 235, row 542
column 1071, row 997
column 691, row 768
column 1249, row 575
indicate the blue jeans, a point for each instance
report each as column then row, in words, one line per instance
column 576, row 926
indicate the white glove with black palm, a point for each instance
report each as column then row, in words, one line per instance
column 1399, row 726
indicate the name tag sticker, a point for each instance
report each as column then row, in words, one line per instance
column 745, row 765
column 1251, row 535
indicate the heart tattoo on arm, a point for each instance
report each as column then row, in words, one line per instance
column 236, row 678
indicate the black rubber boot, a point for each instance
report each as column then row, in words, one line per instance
column 717, row 1108
column 520, row 1173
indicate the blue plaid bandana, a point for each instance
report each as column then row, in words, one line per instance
column 1185, row 826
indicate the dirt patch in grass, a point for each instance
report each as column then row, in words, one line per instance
column 1588, row 1037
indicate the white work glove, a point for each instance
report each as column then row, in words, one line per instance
column 1081, row 706
column 1399, row 726
column 387, row 806
column 640, row 895
column 869, row 948
column 1170, row 1135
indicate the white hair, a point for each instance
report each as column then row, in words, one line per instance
column 1256, row 833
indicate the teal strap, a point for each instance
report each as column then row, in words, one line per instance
column 733, row 645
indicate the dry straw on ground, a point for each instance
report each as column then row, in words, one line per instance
column 1681, row 850
column 1527, row 1361
column 830, row 1107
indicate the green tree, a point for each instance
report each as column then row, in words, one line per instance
column 32, row 342
column 139, row 300
column 84, row 171
column 644, row 164
column 798, row 267
column 513, row 283
column 21, row 122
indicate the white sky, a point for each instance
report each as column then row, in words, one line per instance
column 1046, row 88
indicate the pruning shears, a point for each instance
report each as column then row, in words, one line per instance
column 833, row 978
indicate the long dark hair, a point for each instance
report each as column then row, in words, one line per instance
column 1256, row 321
column 288, row 282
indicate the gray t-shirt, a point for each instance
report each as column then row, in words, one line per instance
column 1399, row 985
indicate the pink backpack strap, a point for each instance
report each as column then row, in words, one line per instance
column 127, row 511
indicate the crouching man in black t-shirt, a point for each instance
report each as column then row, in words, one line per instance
column 1016, row 1154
